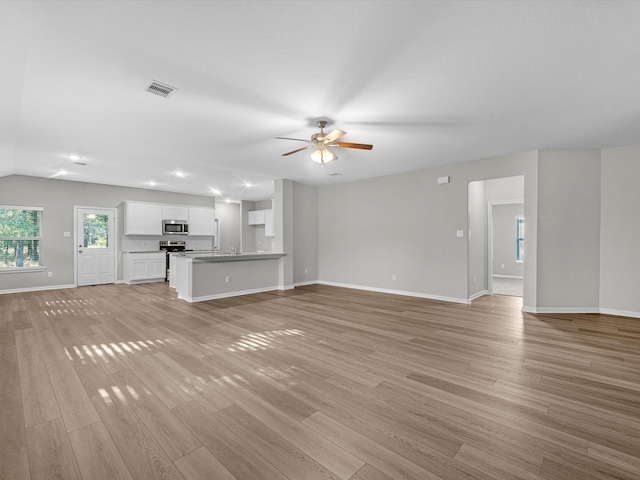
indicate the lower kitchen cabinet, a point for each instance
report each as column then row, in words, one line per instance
column 141, row 267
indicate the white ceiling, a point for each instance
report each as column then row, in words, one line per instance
column 428, row 83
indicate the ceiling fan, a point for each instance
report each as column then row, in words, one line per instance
column 320, row 143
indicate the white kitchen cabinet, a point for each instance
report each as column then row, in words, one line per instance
column 262, row 217
column 141, row 267
column 175, row 212
column 142, row 218
column 256, row 217
column 202, row 221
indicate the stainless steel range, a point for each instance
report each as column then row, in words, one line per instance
column 172, row 246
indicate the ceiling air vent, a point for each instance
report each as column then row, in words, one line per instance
column 158, row 88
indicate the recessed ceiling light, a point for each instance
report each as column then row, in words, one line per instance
column 152, row 183
column 73, row 156
column 180, row 174
column 248, row 184
column 216, row 191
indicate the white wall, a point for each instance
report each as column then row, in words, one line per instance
column 568, row 230
column 620, row 231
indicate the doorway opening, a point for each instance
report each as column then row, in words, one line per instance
column 495, row 254
column 95, row 246
column 506, row 247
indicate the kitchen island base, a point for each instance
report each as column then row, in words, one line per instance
column 198, row 279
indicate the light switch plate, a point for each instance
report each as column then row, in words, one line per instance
column 67, row 234
column 459, row 233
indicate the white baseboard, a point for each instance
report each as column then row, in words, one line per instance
column 478, row 295
column 602, row 311
column 287, row 287
column 561, row 310
column 395, row 292
column 36, row 289
column 515, row 277
column 302, row 284
column 620, row 313
column 218, row 296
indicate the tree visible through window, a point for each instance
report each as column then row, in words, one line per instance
column 20, row 237
column 519, row 238
column 96, row 231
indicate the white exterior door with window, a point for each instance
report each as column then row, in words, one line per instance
column 95, row 246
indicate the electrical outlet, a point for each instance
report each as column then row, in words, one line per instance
column 502, row 265
column 49, row 274
column 474, row 280
column 227, row 279
column 306, row 270
column 393, row 277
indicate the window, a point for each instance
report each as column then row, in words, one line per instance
column 519, row 238
column 20, row 238
column 96, row 231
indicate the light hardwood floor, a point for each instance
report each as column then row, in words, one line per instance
column 127, row 382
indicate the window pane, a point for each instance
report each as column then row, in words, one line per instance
column 519, row 239
column 19, row 223
column 96, row 231
column 19, row 253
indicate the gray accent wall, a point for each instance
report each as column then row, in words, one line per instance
column 58, row 197
column 620, row 231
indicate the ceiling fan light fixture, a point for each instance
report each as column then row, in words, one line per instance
column 323, row 155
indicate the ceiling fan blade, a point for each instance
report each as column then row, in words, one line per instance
column 361, row 146
column 296, row 139
column 333, row 136
column 295, row 151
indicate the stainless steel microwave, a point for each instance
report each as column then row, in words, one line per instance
column 175, row 227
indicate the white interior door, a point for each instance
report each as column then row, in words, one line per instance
column 95, row 246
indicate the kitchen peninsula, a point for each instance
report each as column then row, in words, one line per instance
column 200, row 276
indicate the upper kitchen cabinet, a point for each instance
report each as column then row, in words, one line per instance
column 142, row 218
column 255, row 217
column 202, row 221
column 175, row 212
column 262, row 217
